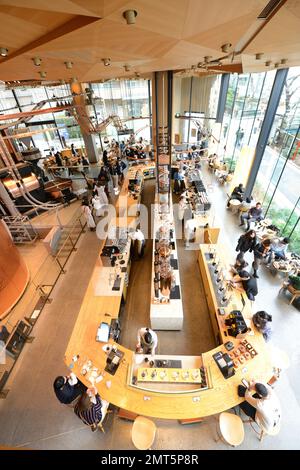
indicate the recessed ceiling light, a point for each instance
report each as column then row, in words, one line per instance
column 37, row 61
column 259, row 55
column 106, row 62
column 130, row 16
column 69, row 64
column 3, row 51
column 226, row 47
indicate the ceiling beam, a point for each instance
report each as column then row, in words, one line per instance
column 56, row 109
column 75, row 23
column 261, row 27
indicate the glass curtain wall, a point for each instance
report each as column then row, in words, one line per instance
column 246, row 104
column 127, row 99
column 277, row 183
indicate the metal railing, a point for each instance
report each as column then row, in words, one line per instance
column 35, row 297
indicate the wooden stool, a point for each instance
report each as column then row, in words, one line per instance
column 143, row 433
column 231, row 428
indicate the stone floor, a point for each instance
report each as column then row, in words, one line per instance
column 31, row 417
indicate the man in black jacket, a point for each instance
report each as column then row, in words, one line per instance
column 68, row 388
column 246, row 242
column 254, row 214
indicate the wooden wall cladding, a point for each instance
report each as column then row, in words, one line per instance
column 14, row 274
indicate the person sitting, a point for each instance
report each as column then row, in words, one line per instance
column 263, row 407
column 237, row 193
column 278, row 249
column 248, row 282
column 240, row 265
column 147, row 341
column 68, row 388
column 246, row 204
column 255, row 214
column 88, row 408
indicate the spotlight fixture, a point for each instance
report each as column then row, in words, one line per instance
column 43, row 74
column 3, row 51
column 127, row 68
column 106, row 62
column 137, row 74
column 226, row 47
column 193, row 67
column 276, row 65
column 130, row 16
column 268, row 63
column 283, row 61
column 207, row 58
column 259, row 55
column 37, row 61
column 69, row 64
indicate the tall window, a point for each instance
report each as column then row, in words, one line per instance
column 277, row 183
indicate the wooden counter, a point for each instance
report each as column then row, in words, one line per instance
column 221, row 394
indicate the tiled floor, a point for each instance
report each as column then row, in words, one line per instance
column 31, row 417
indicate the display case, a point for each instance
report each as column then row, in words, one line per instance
column 168, row 374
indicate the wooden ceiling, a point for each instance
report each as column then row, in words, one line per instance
column 167, row 35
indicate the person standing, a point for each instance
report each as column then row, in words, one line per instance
column 139, row 239
column 261, row 252
column 88, row 215
column 68, row 388
column 147, row 341
column 246, row 242
column 88, row 408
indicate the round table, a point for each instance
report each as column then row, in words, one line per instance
column 234, row 205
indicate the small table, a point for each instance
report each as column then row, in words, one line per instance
column 284, row 267
column 234, row 205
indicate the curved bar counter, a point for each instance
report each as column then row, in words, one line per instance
column 179, row 401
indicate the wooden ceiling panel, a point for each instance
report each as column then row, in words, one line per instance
column 62, row 6
column 204, row 15
column 136, row 44
column 156, row 16
column 168, row 34
column 229, row 32
column 43, row 19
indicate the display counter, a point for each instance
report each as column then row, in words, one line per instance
column 117, row 371
column 166, row 313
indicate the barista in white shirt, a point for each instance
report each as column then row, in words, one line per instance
column 139, row 238
column 147, row 341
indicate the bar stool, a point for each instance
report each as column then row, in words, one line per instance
column 143, row 433
column 231, row 428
